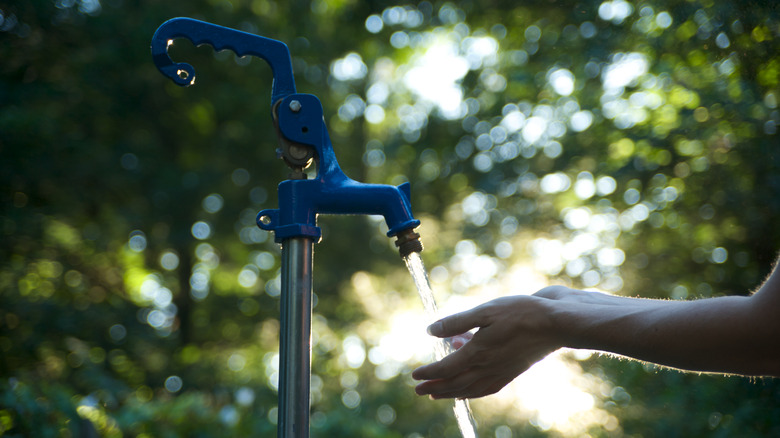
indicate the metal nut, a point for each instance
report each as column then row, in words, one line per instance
column 295, row 106
column 298, row 152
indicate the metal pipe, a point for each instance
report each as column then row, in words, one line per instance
column 408, row 242
column 295, row 338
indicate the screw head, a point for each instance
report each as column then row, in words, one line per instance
column 295, row 106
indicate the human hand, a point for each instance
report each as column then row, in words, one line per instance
column 460, row 340
column 514, row 333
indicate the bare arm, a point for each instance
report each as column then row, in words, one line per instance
column 734, row 334
column 726, row 335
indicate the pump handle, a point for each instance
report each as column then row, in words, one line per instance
column 274, row 52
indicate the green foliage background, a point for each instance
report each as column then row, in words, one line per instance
column 671, row 178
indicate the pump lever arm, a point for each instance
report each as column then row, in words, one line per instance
column 274, row 52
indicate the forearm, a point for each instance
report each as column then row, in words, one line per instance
column 728, row 334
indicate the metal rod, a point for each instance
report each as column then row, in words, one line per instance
column 295, row 338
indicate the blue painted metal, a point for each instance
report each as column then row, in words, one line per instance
column 275, row 53
column 302, row 123
column 331, row 191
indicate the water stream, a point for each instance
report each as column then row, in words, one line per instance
column 441, row 347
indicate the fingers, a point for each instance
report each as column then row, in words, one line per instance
column 449, row 366
column 456, row 324
column 474, row 386
column 457, row 383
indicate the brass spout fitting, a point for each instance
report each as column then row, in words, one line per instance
column 408, row 242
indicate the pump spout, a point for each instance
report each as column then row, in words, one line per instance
column 352, row 197
column 300, row 201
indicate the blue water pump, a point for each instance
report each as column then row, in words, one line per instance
column 303, row 135
column 304, row 141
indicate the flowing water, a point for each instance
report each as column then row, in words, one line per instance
column 441, row 347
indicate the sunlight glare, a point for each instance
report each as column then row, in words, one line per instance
column 562, row 81
column 480, row 51
column 513, row 121
column 556, row 394
column 435, row 77
column 581, row 120
column 354, row 351
column 350, row 67
column 534, row 129
column 624, row 70
column 615, row 11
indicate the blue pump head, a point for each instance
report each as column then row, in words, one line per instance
column 304, row 138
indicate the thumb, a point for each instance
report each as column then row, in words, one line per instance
column 456, row 324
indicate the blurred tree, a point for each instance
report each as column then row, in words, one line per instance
column 629, row 147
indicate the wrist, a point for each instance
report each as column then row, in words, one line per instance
column 568, row 320
column 557, row 314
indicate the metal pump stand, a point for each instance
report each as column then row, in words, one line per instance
column 304, row 141
column 295, row 337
